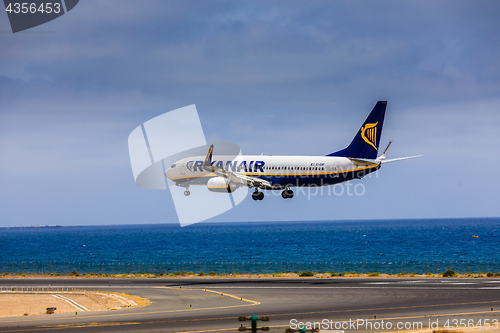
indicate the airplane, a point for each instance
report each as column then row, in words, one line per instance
column 225, row 174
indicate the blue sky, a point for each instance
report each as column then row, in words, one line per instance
column 275, row 77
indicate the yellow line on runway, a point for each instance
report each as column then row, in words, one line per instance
column 61, row 326
column 77, row 325
column 216, row 292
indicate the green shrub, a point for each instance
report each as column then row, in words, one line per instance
column 74, row 273
column 353, row 273
column 428, row 273
column 489, row 274
column 449, row 273
column 308, row 273
column 212, row 273
column 402, row 274
column 374, row 274
column 201, row 274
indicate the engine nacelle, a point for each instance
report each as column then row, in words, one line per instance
column 220, row 185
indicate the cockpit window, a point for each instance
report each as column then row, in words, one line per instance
column 173, row 166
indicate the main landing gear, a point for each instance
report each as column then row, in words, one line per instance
column 186, row 192
column 257, row 195
column 287, row 194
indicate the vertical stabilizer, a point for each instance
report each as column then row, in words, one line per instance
column 365, row 143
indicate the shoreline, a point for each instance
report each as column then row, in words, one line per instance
column 300, row 275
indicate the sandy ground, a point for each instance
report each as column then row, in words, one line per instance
column 27, row 304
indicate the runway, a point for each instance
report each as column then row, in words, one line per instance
column 345, row 304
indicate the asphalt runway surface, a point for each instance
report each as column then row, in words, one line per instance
column 216, row 303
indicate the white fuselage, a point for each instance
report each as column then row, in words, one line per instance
column 280, row 171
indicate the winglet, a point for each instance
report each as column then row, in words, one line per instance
column 386, row 151
column 208, row 159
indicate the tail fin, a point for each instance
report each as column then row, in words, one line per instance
column 365, row 143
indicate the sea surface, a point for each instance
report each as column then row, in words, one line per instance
column 367, row 240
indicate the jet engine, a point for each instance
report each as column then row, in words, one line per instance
column 220, row 185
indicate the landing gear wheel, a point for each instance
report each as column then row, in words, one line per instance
column 257, row 195
column 287, row 194
column 187, row 193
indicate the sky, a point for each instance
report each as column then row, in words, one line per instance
column 274, row 77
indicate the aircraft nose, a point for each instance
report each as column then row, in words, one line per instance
column 168, row 173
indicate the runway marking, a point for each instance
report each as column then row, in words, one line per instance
column 252, row 303
column 73, row 303
column 215, row 292
column 76, row 325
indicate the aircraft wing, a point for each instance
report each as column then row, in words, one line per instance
column 234, row 177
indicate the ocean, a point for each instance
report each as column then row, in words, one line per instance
column 324, row 241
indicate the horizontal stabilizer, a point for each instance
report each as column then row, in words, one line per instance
column 400, row 159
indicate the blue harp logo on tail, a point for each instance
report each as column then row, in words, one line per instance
column 369, row 134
